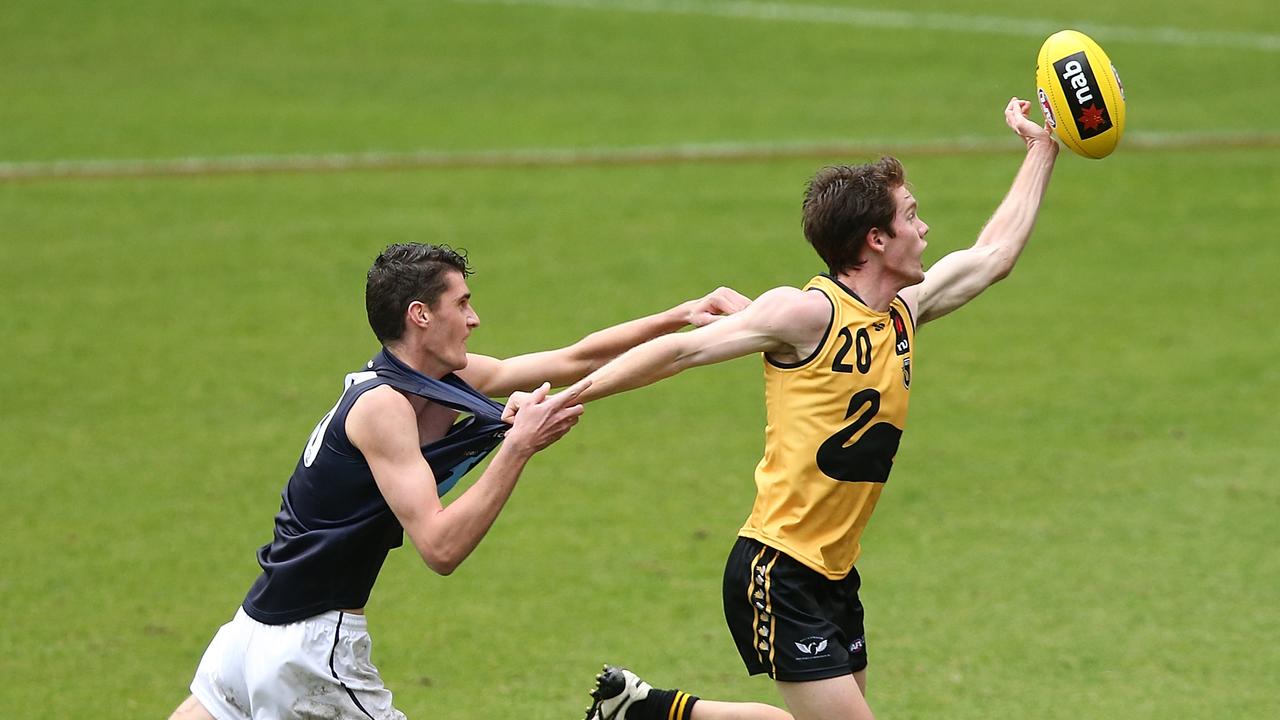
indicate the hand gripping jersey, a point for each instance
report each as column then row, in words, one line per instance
column 334, row 529
column 833, row 424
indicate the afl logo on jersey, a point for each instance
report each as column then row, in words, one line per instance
column 906, row 373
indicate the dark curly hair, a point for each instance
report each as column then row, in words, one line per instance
column 404, row 273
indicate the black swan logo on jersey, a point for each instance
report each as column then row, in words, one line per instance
column 870, row 458
column 1080, row 88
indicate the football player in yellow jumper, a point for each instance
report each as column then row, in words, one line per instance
column 837, row 358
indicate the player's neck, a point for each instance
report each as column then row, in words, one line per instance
column 419, row 359
column 876, row 290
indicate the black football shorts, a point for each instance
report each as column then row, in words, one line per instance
column 789, row 621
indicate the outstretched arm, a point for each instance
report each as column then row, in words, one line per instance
column 960, row 276
column 784, row 320
column 500, row 378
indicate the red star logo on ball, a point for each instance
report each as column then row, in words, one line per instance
column 1090, row 117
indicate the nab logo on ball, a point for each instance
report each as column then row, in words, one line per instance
column 1080, row 94
column 1079, row 86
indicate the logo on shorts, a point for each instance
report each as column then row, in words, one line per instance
column 857, row 645
column 811, row 648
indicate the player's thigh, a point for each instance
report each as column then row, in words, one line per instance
column 219, row 683
column 317, row 668
column 837, row 698
column 191, row 709
column 789, row 621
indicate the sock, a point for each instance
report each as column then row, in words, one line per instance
column 663, row 705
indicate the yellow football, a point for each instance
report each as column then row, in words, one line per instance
column 1080, row 94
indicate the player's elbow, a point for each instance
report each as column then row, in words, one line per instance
column 588, row 355
column 441, row 563
column 1000, row 272
column 440, row 557
column 685, row 355
column 1000, row 264
column 444, row 569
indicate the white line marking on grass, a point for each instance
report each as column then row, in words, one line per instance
column 903, row 19
column 827, row 150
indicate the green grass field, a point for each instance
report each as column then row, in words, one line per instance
column 1084, row 518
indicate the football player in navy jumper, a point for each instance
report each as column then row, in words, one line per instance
column 373, row 471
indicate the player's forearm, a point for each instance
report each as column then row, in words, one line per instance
column 602, row 346
column 638, row 367
column 569, row 364
column 447, row 538
column 1010, row 227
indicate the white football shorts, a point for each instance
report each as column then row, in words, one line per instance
column 318, row 667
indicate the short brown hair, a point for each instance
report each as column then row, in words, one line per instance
column 402, row 274
column 844, row 202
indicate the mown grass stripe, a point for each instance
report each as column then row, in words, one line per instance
column 550, row 157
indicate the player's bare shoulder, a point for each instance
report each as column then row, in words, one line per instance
column 798, row 319
column 378, row 412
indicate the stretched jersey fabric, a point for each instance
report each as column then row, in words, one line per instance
column 334, row 528
column 833, row 424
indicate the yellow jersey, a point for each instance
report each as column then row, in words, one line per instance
column 833, row 422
